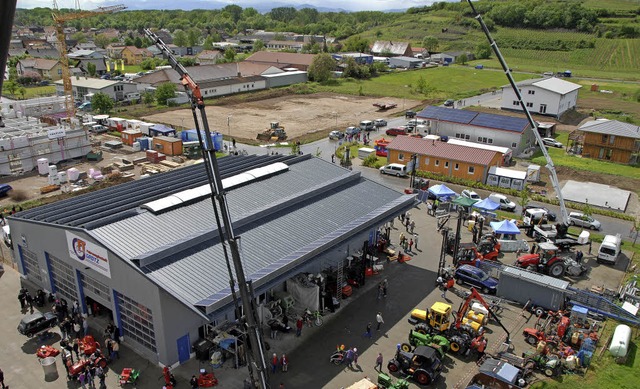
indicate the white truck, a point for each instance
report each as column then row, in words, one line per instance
column 609, row 249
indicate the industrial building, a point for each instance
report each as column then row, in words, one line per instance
column 85, row 88
column 486, row 128
column 149, row 254
column 545, row 96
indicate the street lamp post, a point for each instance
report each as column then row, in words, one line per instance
column 229, row 131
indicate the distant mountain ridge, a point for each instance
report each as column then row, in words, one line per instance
column 201, row 4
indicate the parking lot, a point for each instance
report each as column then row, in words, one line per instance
column 411, row 285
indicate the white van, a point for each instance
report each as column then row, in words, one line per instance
column 394, row 169
column 504, row 202
column 609, row 249
column 367, row 125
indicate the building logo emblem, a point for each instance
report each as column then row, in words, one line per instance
column 79, row 248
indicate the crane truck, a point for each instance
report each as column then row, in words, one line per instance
column 256, row 359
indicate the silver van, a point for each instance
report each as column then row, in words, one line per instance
column 367, row 125
column 395, row 169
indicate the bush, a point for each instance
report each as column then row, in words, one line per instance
column 370, row 161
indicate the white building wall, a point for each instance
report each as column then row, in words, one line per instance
column 233, row 88
column 514, row 140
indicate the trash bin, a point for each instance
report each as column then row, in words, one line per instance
column 50, row 368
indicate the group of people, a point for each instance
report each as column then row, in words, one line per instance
column 445, row 282
column 282, row 362
column 407, row 244
column 350, row 356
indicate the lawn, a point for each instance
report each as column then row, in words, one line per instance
column 561, row 158
column 32, row 92
column 442, row 83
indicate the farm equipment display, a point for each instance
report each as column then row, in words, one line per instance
column 488, row 248
column 545, row 260
column 423, row 364
column 275, row 132
column 128, row 376
column 385, row 382
column 462, row 329
column 80, row 365
column 423, row 338
column 47, row 351
column 494, row 373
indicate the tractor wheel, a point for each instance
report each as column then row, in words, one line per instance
column 393, row 366
column 539, row 312
column 549, row 372
column 406, row 347
column 422, row 378
column 422, row 328
column 557, row 269
column 532, row 340
column 455, row 346
column 459, row 281
column 485, row 290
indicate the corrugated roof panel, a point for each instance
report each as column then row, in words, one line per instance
column 447, row 114
column 444, row 150
column 539, row 278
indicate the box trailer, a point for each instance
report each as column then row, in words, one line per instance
column 536, row 289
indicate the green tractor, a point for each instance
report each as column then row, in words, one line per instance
column 457, row 342
column 438, row 342
column 385, row 382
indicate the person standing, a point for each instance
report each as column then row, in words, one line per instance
column 81, row 378
column 85, row 326
column 385, row 285
column 412, row 226
column 22, row 297
column 441, row 285
column 76, row 327
column 380, row 291
column 29, row 300
column 299, row 325
column 380, row 321
column 355, row 356
column 415, row 240
column 115, row 353
column 348, row 357
column 367, row 332
column 378, row 366
column 284, row 361
column 274, row 363
column 410, row 245
column 194, row 382
column 2, row 379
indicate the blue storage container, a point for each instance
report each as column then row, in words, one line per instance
column 144, row 143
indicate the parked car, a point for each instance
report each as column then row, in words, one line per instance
column 380, row 123
column 449, row 103
column 471, row 275
column 468, row 193
column 336, row 135
column 551, row 216
column 503, row 201
column 352, row 130
column 395, row 169
column 367, row 125
column 36, row 322
column 396, row 131
column 410, row 114
column 416, row 122
column 552, row 142
column 4, row 189
column 581, row 220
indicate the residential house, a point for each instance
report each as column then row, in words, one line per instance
column 43, row 53
column 419, row 52
column 84, row 88
column 282, row 60
column 134, row 56
column 84, row 57
column 611, row 140
column 110, row 33
column 49, row 69
column 498, row 130
column 208, row 57
column 545, row 96
column 84, row 46
column 114, row 50
column 392, row 49
column 443, row 158
column 181, row 51
column 284, row 45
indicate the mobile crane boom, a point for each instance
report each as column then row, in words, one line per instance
column 255, row 354
column 534, row 126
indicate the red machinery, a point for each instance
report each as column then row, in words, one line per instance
column 88, row 345
column 79, row 366
column 47, row 351
column 207, row 380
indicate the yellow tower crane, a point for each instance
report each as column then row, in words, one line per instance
column 60, row 19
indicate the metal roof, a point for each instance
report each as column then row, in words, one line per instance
column 557, row 85
column 478, row 119
column 611, row 127
column 443, row 150
column 102, row 207
column 91, row 83
column 539, row 278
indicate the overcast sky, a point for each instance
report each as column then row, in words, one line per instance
column 351, row 5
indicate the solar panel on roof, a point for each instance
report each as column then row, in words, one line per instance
column 448, row 114
column 508, row 123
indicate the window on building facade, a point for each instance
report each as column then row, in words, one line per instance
column 529, row 105
column 30, row 263
column 516, row 102
column 514, row 144
column 400, row 156
column 456, row 166
column 531, row 92
column 137, row 322
column 472, row 169
column 437, row 163
column 612, row 139
column 543, row 108
column 490, row 141
column 446, row 164
column 63, row 277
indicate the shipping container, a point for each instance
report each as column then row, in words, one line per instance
column 167, row 145
column 538, row 289
column 130, row 136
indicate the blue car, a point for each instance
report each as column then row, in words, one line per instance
column 471, row 275
column 4, row 189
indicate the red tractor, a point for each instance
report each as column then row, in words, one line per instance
column 487, row 249
column 545, row 260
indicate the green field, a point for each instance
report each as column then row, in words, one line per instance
column 624, row 5
column 31, row 92
column 452, row 82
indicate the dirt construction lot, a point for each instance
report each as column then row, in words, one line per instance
column 299, row 114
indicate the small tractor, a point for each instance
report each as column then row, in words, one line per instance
column 274, row 133
column 423, row 364
column 422, row 338
column 546, row 260
column 487, row 249
column 385, row 382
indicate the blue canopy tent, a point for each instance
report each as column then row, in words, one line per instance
column 486, row 205
column 441, row 191
column 506, row 227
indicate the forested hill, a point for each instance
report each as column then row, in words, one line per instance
column 619, row 18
